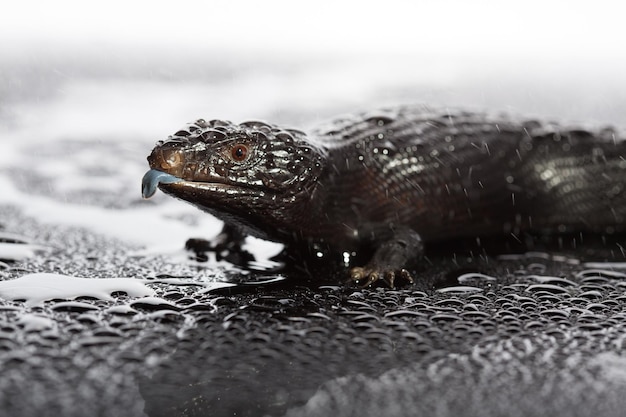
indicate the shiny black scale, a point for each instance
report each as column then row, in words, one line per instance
column 388, row 181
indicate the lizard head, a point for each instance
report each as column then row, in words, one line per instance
column 247, row 174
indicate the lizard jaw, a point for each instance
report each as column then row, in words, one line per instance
column 154, row 178
column 170, row 183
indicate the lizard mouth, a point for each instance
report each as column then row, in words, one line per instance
column 170, row 183
column 153, row 178
column 172, row 174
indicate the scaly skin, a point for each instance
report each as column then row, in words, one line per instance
column 387, row 181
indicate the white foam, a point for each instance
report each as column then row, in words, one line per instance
column 34, row 289
column 20, row 251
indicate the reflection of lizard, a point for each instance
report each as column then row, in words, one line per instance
column 386, row 181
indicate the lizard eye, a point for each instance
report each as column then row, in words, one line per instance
column 239, row 152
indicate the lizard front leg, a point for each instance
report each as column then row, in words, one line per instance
column 390, row 259
column 227, row 245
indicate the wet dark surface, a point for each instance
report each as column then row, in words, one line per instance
column 538, row 334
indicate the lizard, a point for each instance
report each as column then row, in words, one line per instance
column 389, row 181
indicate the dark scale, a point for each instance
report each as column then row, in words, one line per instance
column 384, row 183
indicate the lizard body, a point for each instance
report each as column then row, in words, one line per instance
column 391, row 180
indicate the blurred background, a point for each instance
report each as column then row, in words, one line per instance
column 142, row 67
column 86, row 88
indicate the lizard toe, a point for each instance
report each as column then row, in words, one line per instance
column 366, row 276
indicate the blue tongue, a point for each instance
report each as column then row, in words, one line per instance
column 152, row 179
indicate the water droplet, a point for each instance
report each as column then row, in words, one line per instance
column 555, row 289
column 460, row 289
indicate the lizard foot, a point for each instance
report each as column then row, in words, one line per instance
column 366, row 276
column 229, row 251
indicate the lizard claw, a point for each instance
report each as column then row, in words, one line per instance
column 366, row 276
